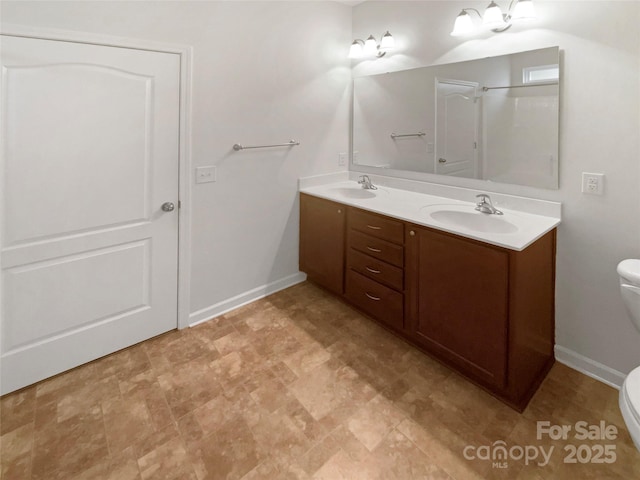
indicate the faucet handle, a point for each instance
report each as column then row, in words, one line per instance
column 484, row 199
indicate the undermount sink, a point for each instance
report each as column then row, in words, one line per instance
column 356, row 192
column 462, row 216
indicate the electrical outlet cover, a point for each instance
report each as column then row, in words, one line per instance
column 593, row 183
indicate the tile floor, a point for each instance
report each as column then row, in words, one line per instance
column 297, row 385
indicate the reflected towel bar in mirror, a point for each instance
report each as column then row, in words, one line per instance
column 290, row 143
column 396, row 135
column 486, row 89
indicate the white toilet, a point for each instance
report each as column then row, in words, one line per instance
column 629, row 271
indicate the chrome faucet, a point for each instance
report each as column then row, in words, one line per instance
column 365, row 181
column 484, row 205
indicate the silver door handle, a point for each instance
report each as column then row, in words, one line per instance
column 442, row 160
column 168, row 207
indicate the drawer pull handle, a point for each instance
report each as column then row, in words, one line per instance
column 377, row 299
column 372, row 270
column 373, row 227
column 377, row 250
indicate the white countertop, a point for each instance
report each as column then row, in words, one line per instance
column 521, row 229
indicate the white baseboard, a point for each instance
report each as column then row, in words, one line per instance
column 589, row 367
column 225, row 306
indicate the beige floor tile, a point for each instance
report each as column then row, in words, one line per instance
column 440, row 451
column 67, row 448
column 230, row 452
column 341, row 466
column 326, row 388
column 188, row 386
column 232, row 342
column 312, row 429
column 297, row 385
column 167, row 351
column 17, row 409
column 123, row 364
column 121, row 466
column 227, row 408
column 307, row 358
column 318, row 455
column 127, row 422
column 168, row 461
column 274, row 469
column 85, row 398
column 396, row 457
column 15, row 451
column 374, row 421
column 284, row 373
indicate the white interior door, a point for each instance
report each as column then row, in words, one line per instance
column 90, row 154
column 456, row 128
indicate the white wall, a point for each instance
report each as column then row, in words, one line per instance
column 263, row 72
column 599, row 132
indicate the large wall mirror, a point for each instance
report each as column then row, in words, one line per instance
column 493, row 119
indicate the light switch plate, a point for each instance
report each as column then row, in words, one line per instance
column 206, row 174
column 342, row 159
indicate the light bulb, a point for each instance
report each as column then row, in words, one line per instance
column 463, row 25
column 492, row 17
column 524, row 10
column 370, row 46
column 356, row 50
column 387, row 41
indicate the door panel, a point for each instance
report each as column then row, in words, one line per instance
column 462, row 301
column 89, row 259
column 103, row 158
column 456, row 128
column 98, row 285
column 322, row 225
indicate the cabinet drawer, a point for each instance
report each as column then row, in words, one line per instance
column 375, row 299
column 377, row 225
column 375, row 269
column 375, row 247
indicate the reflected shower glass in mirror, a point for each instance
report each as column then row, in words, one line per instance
column 493, row 119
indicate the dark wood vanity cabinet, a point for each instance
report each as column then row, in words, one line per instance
column 322, row 227
column 484, row 310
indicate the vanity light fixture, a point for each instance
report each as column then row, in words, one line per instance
column 370, row 47
column 493, row 18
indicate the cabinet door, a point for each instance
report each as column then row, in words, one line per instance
column 322, row 226
column 460, row 302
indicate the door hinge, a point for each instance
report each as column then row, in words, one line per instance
column 475, row 145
